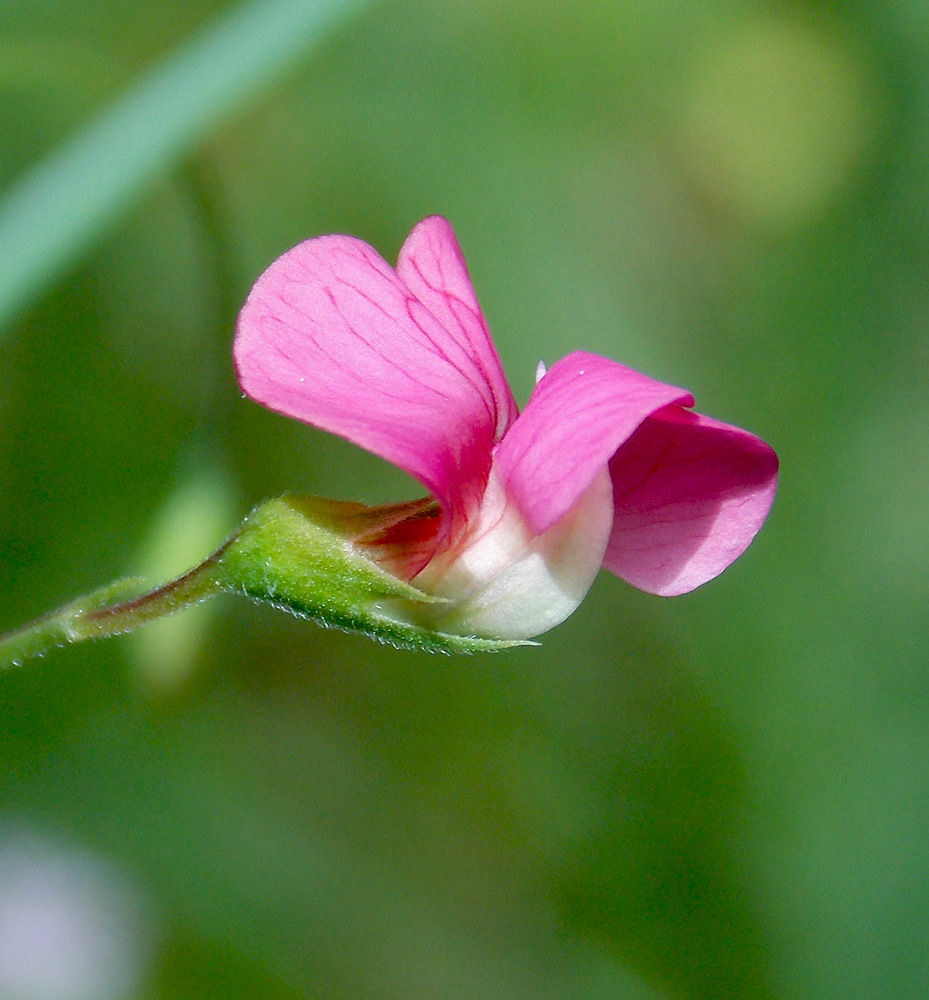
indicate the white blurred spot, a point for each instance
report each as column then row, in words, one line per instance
column 72, row 926
column 540, row 372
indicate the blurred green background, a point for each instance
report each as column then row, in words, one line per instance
column 724, row 795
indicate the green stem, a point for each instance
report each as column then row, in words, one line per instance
column 93, row 616
column 193, row 587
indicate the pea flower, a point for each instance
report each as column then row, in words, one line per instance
column 604, row 467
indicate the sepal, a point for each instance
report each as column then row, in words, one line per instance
column 298, row 553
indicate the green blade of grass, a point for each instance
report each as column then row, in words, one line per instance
column 66, row 202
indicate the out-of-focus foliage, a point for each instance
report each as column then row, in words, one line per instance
column 722, row 795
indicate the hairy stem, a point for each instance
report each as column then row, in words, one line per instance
column 94, row 616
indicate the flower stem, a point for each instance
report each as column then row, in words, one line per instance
column 194, row 586
column 94, row 616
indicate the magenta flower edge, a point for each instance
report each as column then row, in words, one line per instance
column 604, row 466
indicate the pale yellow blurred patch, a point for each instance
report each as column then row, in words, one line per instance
column 776, row 116
column 193, row 522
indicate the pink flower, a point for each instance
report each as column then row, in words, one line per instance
column 605, row 466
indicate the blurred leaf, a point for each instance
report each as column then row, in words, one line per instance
column 62, row 206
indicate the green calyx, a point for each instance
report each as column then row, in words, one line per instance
column 297, row 554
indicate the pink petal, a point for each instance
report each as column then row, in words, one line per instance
column 582, row 410
column 433, row 267
column 400, row 365
column 690, row 494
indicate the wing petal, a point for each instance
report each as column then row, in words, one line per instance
column 690, row 493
